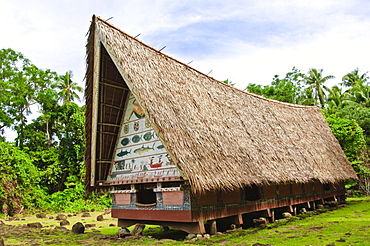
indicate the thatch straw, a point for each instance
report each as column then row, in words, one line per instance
column 224, row 138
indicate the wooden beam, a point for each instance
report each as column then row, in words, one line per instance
column 95, row 101
column 110, row 133
column 103, row 161
column 111, row 106
column 108, row 124
column 110, row 85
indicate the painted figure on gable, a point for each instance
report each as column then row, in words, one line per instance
column 138, row 111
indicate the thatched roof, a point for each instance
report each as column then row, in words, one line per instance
column 221, row 137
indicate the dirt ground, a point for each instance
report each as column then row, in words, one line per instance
column 31, row 230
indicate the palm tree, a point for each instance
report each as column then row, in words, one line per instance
column 68, row 88
column 337, row 99
column 360, row 92
column 351, row 78
column 315, row 82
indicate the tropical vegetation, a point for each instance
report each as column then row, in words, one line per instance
column 43, row 167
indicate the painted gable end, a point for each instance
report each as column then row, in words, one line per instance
column 139, row 155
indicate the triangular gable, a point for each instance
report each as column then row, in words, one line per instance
column 140, row 156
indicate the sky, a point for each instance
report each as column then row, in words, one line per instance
column 245, row 41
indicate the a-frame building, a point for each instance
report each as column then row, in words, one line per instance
column 176, row 147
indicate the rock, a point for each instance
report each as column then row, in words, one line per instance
column 190, row 236
column 84, row 211
column 332, row 204
column 206, row 236
column 92, row 210
column 78, row 228
column 90, row 225
column 261, row 222
column 85, row 214
column 287, row 215
column 34, row 225
column 64, row 223
column 2, row 242
column 69, row 215
column 124, row 229
column 138, row 229
column 124, row 232
column 112, row 224
column 41, row 216
column 100, row 218
column 320, row 206
column 303, row 210
column 51, row 217
column 61, row 217
column 199, row 236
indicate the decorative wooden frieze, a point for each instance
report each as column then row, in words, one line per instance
column 166, row 189
column 122, row 191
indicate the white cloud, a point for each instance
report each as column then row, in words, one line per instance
column 245, row 41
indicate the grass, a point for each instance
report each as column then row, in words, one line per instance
column 349, row 225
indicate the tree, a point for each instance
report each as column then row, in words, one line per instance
column 315, row 82
column 288, row 89
column 360, row 92
column 19, row 180
column 72, row 142
column 349, row 134
column 350, row 79
column 337, row 100
column 21, row 84
column 68, row 88
column 57, row 145
column 352, row 140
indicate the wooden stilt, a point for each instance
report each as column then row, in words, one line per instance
column 240, row 219
column 272, row 215
column 213, row 227
column 202, row 229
